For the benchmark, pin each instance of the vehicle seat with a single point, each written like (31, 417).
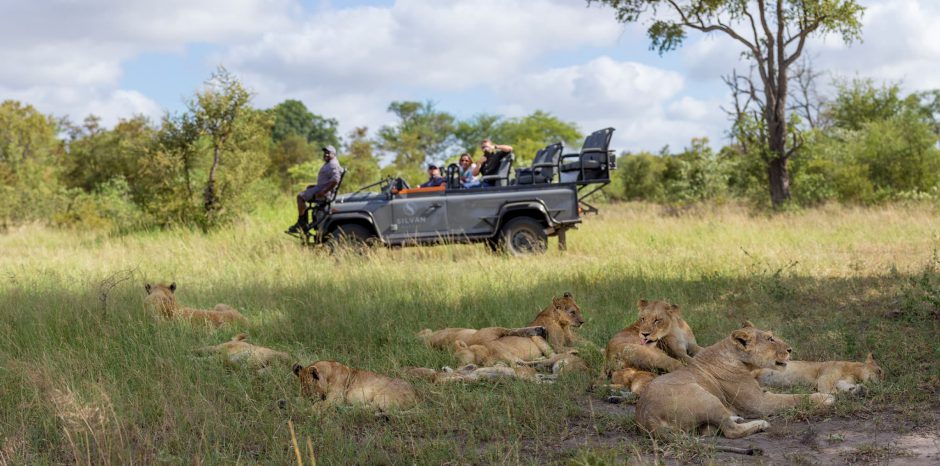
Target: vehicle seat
(592, 162)
(501, 177)
(543, 167)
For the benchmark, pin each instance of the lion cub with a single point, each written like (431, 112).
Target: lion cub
(161, 300)
(717, 387)
(239, 351)
(826, 376)
(336, 383)
(659, 340)
(473, 373)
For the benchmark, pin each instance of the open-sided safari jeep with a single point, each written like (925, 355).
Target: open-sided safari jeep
(517, 215)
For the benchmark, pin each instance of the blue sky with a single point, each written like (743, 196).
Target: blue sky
(350, 59)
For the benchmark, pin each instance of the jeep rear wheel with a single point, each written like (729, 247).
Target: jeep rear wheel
(355, 237)
(522, 236)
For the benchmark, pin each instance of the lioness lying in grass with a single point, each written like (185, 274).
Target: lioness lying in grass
(336, 383)
(474, 373)
(825, 376)
(161, 301)
(659, 341)
(239, 351)
(717, 387)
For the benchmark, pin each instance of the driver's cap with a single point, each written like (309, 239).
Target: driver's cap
(330, 149)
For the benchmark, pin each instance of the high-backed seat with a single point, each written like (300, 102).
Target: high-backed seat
(593, 162)
(501, 178)
(543, 166)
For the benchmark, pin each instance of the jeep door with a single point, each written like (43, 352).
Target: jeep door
(473, 212)
(418, 217)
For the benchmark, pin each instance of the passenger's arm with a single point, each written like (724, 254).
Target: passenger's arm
(478, 166)
(504, 148)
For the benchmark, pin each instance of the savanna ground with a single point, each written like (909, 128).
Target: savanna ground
(87, 377)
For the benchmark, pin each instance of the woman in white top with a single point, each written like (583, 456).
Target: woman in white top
(466, 169)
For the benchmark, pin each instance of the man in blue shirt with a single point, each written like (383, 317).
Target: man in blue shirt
(327, 180)
(434, 177)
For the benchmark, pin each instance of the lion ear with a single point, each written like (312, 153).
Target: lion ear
(460, 344)
(297, 369)
(869, 359)
(314, 373)
(674, 308)
(568, 294)
(147, 287)
(173, 287)
(741, 338)
(641, 304)
(747, 324)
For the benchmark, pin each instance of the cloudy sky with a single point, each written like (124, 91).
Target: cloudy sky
(349, 59)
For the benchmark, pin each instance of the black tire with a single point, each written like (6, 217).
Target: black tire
(353, 236)
(523, 236)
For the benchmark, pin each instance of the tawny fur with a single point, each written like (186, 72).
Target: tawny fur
(717, 387)
(336, 383)
(660, 340)
(161, 301)
(239, 351)
(473, 373)
(825, 376)
(556, 322)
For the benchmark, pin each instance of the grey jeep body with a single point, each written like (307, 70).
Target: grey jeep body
(453, 215)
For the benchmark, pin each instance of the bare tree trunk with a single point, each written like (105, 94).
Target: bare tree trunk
(209, 196)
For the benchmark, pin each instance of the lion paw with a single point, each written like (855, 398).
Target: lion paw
(823, 399)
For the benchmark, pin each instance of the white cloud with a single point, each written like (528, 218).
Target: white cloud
(642, 102)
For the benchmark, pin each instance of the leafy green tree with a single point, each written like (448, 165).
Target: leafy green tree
(290, 152)
(95, 156)
(773, 34)
(359, 160)
(223, 115)
(422, 133)
(860, 101)
(530, 133)
(30, 155)
(292, 117)
(470, 132)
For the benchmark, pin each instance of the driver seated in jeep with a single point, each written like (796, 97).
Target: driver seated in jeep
(434, 177)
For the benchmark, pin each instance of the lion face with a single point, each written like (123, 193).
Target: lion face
(313, 379)
(160, 298)
(760, 349)
(656, 320)
(474, 354)
(569, 314)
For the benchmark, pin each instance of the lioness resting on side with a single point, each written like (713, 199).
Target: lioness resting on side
(559, 321)
(239, 351)
(555, 323)
(473, 373)
(161, 301)
(826, 376)
(336, 383)
(717, 387)
(659, 340)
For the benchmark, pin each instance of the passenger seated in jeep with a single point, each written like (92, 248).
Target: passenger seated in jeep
(493, 154)
(434, 177)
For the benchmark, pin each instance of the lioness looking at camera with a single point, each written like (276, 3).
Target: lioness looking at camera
(161, 301)
(660, 340)
(717, 387)
(825, 376)
(336, 383)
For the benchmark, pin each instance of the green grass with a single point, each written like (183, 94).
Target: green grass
(835, 283)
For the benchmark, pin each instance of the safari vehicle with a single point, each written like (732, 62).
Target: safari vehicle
(517, 215)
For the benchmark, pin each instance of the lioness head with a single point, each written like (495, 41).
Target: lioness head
(160, 298)
(314, 378)
(760, 349)
(567, 311)
(656, 319)
(871, 371)
(472, 354)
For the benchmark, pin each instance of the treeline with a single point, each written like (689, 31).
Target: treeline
(221, 157)
(867, 144)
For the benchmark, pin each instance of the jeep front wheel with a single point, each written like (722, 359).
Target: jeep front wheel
(355, 237)
(522, 236)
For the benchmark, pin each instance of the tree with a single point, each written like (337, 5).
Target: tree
(291, 117)
(530, 133)
(222, 114)
(95, 156)
(469, 133)
(362, 167)
(773, 34)
(422, 133)
(30, 154)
